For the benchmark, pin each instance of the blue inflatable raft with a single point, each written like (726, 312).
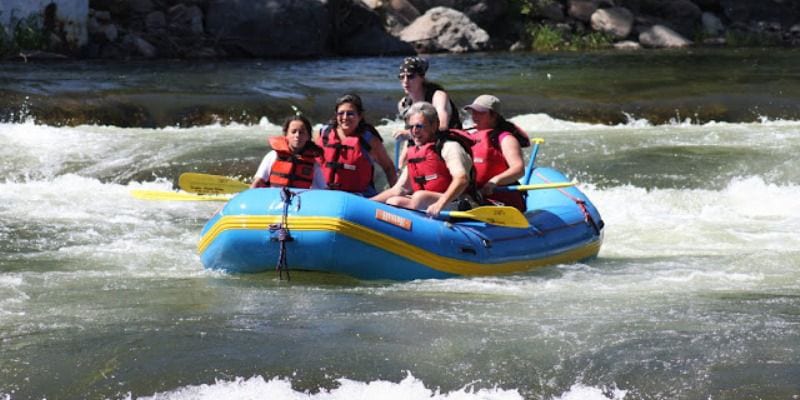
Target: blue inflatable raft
(339, 232)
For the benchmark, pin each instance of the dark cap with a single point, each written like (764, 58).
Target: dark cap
(414, 65)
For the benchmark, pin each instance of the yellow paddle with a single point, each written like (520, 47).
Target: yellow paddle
(147, 194)
(535, 186)
(495, 215)
(210, 184)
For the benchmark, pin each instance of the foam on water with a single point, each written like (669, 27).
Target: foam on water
(410, 388)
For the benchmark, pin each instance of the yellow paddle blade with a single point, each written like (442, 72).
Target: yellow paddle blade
(535, 186)
(210, 184)
(146, 194)
(495, 215)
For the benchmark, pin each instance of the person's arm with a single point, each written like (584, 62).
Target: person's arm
(459, 165)
(261, 178)
(441, 101)
(401, 187)
(378, 153)
(512, 152)
(318, 181)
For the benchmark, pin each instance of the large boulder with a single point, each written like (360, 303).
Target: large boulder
(443, 29)
(616, 21)
(659, 36)
(263, 28)
(358, 30)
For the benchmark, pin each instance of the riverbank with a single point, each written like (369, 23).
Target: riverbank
(218, 29)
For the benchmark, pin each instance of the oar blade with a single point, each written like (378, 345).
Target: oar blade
(495, 215)
(210, 184)
(163, 195)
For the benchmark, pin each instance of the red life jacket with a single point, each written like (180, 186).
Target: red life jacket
(488, 160)
(345, 163)
(291, 169)
(426, 168)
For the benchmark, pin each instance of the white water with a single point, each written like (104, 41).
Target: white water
(691, 279)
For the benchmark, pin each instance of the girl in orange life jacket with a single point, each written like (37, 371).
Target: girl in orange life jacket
(430, 181)
(497, 153)
(417, 88)
(350, 148)
(292, 161)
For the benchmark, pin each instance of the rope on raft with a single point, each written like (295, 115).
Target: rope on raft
(280, 232)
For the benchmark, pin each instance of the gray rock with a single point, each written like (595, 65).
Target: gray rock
(660, 36)
(443, 29)
(155, 22)
(627, 45)
(581, 10)
(263, 28)
(143, 47)
(616, 21)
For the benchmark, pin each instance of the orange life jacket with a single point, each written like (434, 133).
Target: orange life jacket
(291, 169)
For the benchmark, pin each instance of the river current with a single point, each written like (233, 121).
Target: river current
(695, 293)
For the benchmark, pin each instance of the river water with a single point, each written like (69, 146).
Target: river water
(695, 293)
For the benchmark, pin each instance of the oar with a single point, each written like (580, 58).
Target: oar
(147, 194)
(495, 215)
(534, 186)
(210, 184)
(531, 163)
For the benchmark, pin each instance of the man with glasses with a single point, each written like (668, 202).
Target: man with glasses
(439, 168)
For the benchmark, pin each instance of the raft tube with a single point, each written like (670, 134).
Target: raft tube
(334, 231)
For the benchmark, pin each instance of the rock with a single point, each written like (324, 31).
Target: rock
(518, 46)
(712, 25)
(581, 10)
(627, 45)
(660, 36)
(141, 6)
(155, 22)
(144, 48)
(443, 29)
(404, 11)
(187, 21)
(110, 32)
(264, 29)
(359, 31)
(616, 21)
(682, 16)
(549, 9)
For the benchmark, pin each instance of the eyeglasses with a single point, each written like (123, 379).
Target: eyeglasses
(346, 113)
(408, 76)
(415, 126)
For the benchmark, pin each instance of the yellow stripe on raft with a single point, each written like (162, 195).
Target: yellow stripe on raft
(393, 245)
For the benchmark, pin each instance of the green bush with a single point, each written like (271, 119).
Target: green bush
(28, 35)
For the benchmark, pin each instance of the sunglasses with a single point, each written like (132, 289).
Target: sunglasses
(415, 126)
(346, 113)
(408, 76)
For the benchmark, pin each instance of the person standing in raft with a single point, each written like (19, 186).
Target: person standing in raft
(293, 159)
(416, 88)
(350, 149)
(497, 152)
(438, 171)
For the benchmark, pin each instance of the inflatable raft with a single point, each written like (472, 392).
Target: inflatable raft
(325, 230)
